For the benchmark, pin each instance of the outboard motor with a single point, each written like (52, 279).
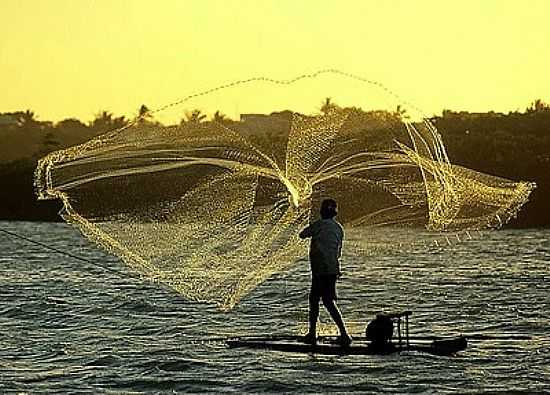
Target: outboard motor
(380, 332)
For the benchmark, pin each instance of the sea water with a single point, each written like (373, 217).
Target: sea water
(72, 326)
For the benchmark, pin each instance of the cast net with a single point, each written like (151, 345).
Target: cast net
(212, 208)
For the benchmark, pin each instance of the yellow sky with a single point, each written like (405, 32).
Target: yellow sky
(64, 58)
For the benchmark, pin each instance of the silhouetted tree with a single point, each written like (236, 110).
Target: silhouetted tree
(219, 117)
(537, 106)
(70, 124)
(327, 105)
(400, 111)
(104, 122)
(26, 118)
(514, 145)
(49, 144)
(144, 114)
(196, 116)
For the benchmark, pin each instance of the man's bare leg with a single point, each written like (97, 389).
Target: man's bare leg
(311, 336)
(334, 312)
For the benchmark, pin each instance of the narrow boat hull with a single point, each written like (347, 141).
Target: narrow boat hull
(442, 347)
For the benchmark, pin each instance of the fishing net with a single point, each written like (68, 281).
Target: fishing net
(212, 208)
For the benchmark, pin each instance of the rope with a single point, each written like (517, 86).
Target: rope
(38, 243)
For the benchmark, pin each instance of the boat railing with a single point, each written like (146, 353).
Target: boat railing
(398, 318)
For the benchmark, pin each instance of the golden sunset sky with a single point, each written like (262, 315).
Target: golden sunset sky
(72, 58)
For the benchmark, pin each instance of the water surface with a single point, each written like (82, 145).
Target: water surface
(71, 326)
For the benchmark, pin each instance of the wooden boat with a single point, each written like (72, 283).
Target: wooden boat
(328, 345)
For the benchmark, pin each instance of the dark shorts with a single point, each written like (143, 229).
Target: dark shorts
(323, 286)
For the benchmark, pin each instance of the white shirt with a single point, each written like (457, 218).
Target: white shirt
(326, 245)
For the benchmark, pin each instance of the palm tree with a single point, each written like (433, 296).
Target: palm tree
(327, 105)
(400, 112)
(25, 118)
(104, 122)
(144, 114)
(538, 106)
(195, 117)
(219, 117)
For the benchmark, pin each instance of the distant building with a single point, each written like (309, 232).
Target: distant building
(253, 117)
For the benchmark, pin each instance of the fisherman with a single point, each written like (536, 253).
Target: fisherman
(324, 253)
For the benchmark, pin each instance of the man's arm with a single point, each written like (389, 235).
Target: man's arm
(340, 242)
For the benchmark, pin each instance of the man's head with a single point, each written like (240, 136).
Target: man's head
(328, 209)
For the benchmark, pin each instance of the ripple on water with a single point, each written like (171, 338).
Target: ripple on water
(66, 326)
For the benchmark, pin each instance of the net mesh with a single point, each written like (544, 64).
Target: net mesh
(213, 208)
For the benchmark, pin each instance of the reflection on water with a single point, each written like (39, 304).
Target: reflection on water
(70, 326)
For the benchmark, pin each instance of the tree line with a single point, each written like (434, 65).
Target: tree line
(515, 145)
